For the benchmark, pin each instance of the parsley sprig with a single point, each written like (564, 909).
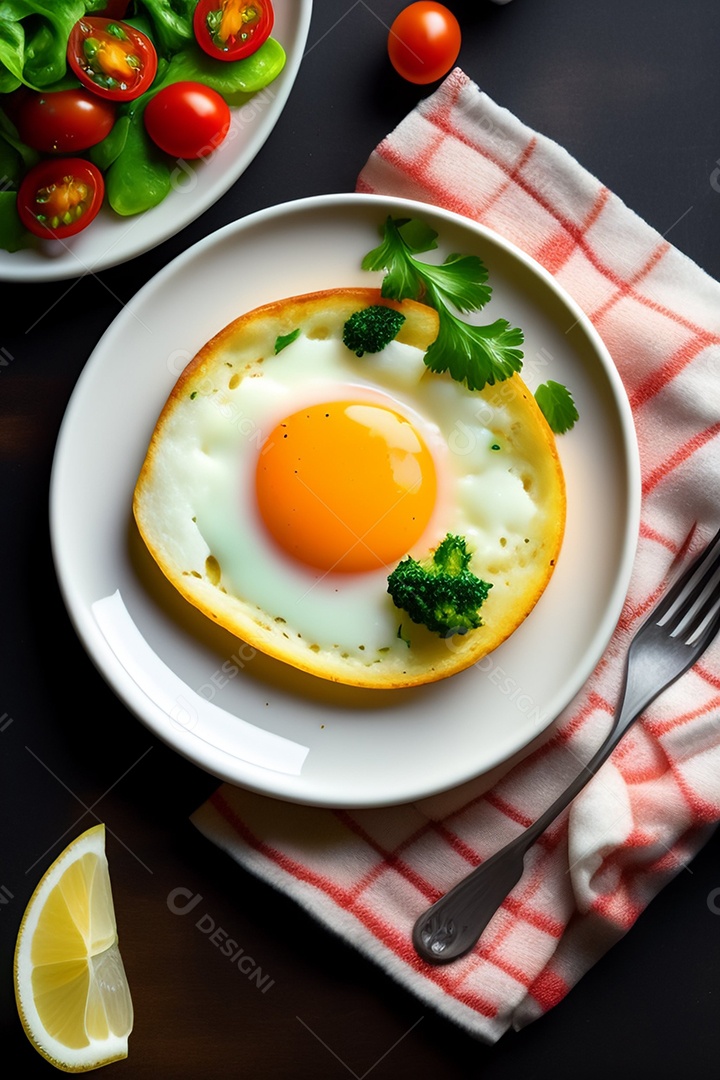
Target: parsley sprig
(557, 406)
(476, 355)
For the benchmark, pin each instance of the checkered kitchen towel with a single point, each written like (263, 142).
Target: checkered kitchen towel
(369, 874)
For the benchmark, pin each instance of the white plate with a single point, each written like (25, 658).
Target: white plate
(253, 721)
(112, 239)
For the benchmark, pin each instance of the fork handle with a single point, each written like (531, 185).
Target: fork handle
(638, 690)
(453, 924)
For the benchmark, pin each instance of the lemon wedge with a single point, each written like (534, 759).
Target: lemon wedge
(71, 989)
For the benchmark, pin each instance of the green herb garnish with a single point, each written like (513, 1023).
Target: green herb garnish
(475, 355)
(283, 340)
(557, 406)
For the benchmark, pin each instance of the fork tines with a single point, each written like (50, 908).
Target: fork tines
(693, 601)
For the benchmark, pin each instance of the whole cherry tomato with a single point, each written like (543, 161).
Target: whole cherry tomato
(232, 29)
(187, 119)
(63, 121)
(111, 58)
(424, 42)
(60, 196)
(115, 9)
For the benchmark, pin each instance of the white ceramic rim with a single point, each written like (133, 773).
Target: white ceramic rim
(112, 240)
(288, 782)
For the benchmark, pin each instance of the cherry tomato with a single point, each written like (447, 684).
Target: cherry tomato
(111, 58)
(232, 29)
(64, 121)
(187, 119)
(13, 102)
(424, 42)
(115, 9)
(60, 196)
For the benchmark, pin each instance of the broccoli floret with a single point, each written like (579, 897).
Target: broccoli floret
(372, 328)
(440, 592)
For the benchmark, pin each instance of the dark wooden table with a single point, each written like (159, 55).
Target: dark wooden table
(631, 90)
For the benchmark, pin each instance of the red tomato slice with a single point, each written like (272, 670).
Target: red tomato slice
(232, 29)
(63, 121)
(111, 58)
(424, 42)
(60, 196)
(187, 119)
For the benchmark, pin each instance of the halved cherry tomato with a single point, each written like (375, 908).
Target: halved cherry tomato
(232, 29)
(424, 42)
(63, 121)
(187, 119)
(111, 58)
(60, 196)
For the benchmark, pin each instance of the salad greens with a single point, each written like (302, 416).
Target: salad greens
(34, 35)
(172, 23)
(138, 175)
(33, 47)
(474, 354)
(33, 40)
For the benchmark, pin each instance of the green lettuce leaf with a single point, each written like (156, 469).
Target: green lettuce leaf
(12, 233)
(33, 40)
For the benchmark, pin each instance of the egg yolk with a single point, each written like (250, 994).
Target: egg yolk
(346, 486)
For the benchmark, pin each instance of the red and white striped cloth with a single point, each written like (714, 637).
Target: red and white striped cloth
(368, 874)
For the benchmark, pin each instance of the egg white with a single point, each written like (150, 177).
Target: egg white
(210, 466)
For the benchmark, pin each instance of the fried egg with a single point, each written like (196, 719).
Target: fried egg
(287, 477)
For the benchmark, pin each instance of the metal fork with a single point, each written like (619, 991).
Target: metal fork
(678, 630)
